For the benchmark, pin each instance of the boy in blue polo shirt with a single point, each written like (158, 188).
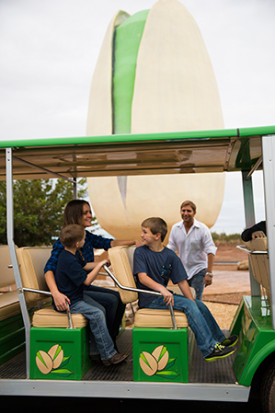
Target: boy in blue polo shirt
(71, 277)
(154, 266)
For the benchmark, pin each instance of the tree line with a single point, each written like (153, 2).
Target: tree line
(223, 237)
(38, 209)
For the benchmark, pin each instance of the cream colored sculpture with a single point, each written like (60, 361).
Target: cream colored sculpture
(173, 89)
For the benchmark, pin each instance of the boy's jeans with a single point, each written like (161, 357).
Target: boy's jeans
(98, 328)
(110, 303)
(201, 321)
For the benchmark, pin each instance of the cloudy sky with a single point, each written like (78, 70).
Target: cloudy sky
(49, 50)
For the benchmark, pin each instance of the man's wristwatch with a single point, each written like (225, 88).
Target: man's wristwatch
(209, 274)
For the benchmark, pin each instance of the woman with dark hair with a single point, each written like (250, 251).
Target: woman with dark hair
(79, 212)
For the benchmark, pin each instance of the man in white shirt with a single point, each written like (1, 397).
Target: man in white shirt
(193, 241)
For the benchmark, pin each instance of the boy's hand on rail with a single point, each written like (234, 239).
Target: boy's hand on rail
(61, 301)
(167, 296)
(105, 262)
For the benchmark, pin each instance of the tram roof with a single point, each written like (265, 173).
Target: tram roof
(222, 150)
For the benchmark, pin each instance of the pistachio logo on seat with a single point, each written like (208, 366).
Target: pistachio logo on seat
(158, 363)
(53, 361)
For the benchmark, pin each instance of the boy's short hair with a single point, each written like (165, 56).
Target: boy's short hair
(189, 203)
(71, 234)
(156, 225)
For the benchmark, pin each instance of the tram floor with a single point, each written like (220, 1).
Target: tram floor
(200, 371)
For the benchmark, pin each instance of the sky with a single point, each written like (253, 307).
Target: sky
(49, 51)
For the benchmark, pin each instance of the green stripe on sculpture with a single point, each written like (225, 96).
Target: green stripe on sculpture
(127, 40)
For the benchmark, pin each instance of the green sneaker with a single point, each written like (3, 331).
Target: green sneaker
(230, 341)
(219, 352)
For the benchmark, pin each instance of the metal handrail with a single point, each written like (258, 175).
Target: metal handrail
(240, 247)
(138, 290)
(32, 290)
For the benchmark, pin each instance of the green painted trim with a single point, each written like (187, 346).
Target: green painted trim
(253, 325)
(69, 361)
(259, 130)
(144, 137)
(255, 362)
(12, 337)
(174, 365)
(123, 138)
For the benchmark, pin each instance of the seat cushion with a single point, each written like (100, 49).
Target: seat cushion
(148, 317)
(9, 305)
(7, 277)
(259, 262)
(257, 244)
(260, 270)
(48, 317)
(9, 301)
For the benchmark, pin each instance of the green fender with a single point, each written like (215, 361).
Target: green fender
(255, 362)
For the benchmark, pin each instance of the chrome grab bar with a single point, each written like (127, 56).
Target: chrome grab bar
(32, 290)
(240, 247)
(141, 291)
(156, 293)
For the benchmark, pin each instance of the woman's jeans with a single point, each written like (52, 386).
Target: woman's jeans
(110, 303)
(202, 323)
(196, 282)
(98, 328)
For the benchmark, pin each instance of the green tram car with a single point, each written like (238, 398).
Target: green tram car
(44, 353)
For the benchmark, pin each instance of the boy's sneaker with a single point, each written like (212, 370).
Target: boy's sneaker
(219, 352)
(230, 341)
